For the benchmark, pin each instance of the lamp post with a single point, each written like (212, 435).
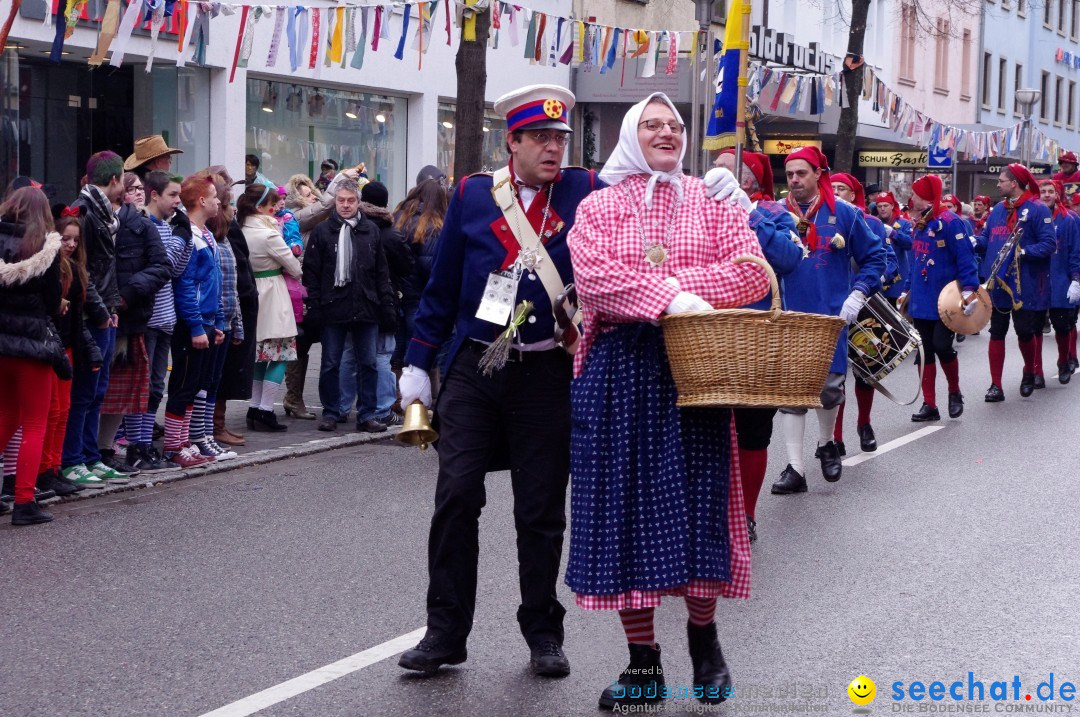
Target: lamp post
(1027, 98)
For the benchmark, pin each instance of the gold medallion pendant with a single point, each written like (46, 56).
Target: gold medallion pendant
(655, 255)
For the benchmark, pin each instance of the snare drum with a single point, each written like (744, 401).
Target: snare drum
(880, 340)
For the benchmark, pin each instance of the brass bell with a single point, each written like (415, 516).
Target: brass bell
(416, 429)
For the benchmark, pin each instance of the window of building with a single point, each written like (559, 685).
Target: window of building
(1021, 8)
(494, 152)
(1063, 13)
(1006, 5)
(719, 12)
(965, 68)
(1075, 31)
(907, 43)
(941, 71)
(1003, 66)
(1059, 97)
(1044, 101)
(1017, 84)
(1070, 108)
(987, 69)
(292, 128)
(1048, 13)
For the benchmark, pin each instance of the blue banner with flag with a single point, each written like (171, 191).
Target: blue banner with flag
(729, 104)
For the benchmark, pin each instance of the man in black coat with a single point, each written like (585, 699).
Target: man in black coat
(349, 294)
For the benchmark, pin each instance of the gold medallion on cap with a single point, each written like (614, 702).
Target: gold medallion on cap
(553, 109)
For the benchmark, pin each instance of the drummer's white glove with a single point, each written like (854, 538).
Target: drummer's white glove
(415, 385)
(889, 230)
(684, 301)
(740, 197)
(1074, 292)
(849, 312)
(969, 308)
(720, 183)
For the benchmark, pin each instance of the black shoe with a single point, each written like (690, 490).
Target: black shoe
(267, 421)
(956, 404)
(926, 413)
(52, 480)
(830, 462)
(710, 671)
(159, 431)
(1040, 381)
(1027, 385)
(391, 419)
(751, 529)
(1065, 372)
(7, 492)
(252, 414)
(790, 482)
(327, 423)
(867, 439)
(5, 505)
(343, 418)
(371, 426)
(432, 653)
(547, 659)
(994, 394)
(960, 338)
(40, 495)
(109, 458)
(1075, 364)
(642, 682)
(29, 514)
(840, 447)
(152, 461)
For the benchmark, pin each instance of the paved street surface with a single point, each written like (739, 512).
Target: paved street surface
(954, 552)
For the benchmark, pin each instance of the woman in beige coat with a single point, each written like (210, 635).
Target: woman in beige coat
(276, 327)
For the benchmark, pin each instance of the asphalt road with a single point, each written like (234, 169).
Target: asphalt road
(951, 554)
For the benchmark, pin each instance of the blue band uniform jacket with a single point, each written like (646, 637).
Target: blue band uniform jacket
(1038, 242)
(941, 253)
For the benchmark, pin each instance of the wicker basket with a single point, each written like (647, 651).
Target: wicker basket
(745, 357)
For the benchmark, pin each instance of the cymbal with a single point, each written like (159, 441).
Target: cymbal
(951, 309)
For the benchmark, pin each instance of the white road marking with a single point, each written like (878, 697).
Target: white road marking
(903, 440)
(298, 685)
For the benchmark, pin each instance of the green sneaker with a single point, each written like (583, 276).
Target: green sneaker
(107, 474)
(80, 476)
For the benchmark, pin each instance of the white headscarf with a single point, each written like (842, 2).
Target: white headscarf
(628, 159)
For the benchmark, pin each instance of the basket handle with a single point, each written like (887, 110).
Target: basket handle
(774, 286)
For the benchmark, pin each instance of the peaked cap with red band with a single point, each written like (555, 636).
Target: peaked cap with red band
(1027, 182)
(760, 167)
(536, 107)
(816, 159)
(855, 185)
(1067, 157)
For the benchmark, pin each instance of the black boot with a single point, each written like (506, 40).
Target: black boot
(711, 674)
(956, 404)
(867, 439)
(252, 414)
(1065, 372)
(29, 514)
(831, 467)
(7, 493)
(1040, 381)
(432, 653)
(642, 682)
(791, 481)
(267, 421)
(994, 394)
(1027, 385)
(926, 413)
(52, 480)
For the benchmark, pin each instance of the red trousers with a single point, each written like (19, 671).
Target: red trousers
(25, 404)
(58, 414)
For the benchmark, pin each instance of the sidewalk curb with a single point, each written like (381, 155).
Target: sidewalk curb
(246, 460)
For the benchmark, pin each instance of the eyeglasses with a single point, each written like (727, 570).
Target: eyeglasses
(655, 125)
(543, 138)
(136, 188)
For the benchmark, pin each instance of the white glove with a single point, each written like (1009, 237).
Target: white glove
(974, 241)
(720, 183)
(889, 230)
(674, 281)
(969, 309)
(1074, 292)
(414, 384)
(740, 197)
(849, 312)
(684, 301)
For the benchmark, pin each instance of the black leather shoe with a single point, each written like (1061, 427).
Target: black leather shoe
(956, 404)
(751, 529)
(926, 413)
(840, 448)
(432, 653)
(52, 480)
(327, 423)
(1075, 364)
(40, 494)
(1065, 372)
(790, 482)
(830, 462)
(642, 682)
(267, 421)
(29, 514)
(867, 439)
(252, 414)
(960, 338)
(994, 394)
(1027, 385)
(547, 659)
(1040, 381)
(711, 673)
(371, 426)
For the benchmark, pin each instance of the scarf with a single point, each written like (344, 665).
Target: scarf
(101, 208)
(805, 222)
(1011, 207)
(627, 159)
(343, 268)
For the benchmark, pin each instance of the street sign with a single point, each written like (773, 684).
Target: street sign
(938, 157)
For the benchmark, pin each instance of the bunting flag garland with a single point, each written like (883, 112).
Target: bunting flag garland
(275, 40)
(399, 53)
(239, 42)
(316, 28)
(108, 32)
(123, 35)
(361, 44)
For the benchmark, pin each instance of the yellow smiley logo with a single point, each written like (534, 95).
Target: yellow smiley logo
(553, 109)
(862, 690)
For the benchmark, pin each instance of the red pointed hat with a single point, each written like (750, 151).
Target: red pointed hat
(1027, 181)
(759, 165)
(952, 199)
(1076, 199)
(816, 159)
(886, 197)
(855, 185)
(983, 198)
(1067, 157)
(928, 187)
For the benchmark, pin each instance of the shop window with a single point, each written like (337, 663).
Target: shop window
(178, 109)
(292, 128)
(494, 152)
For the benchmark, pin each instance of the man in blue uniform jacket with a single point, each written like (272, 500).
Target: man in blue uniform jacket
(525, 405)
(1064, 275)
(835, 235)
(1021, 288)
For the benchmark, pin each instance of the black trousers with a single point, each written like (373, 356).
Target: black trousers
(190, 369)
(1028, 323)
(937, 340)
(525, 406)
(753, 427)
(1063, 320)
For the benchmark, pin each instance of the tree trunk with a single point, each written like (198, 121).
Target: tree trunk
(844, 158)
(471, 64)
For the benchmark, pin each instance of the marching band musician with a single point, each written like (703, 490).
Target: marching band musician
(1068, 175)
(851, 190)
(835, 234)
(1064, 276)
(1025, 295)
(941, 253)
(899, 231)
(981, 204)
(484, 252)
(775, 228)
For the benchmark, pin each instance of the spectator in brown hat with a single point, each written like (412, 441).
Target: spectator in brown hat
(152, 153)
